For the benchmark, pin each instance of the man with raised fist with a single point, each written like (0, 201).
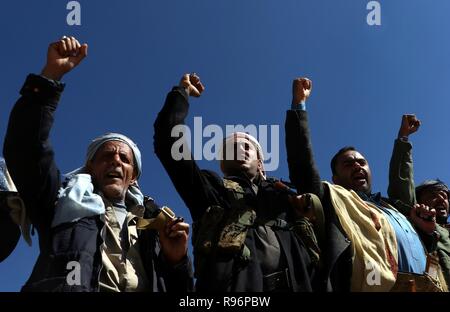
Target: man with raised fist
(431, 195)
(97, 231)
(369, 241)
(251, 233)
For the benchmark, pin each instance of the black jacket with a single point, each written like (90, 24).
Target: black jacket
(30, 160)
(336, 252)
(201, 189)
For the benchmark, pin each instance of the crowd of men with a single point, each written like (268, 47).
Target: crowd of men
(250, 232)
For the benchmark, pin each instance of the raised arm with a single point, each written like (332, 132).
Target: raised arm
(302, 168)
(401, 174)
(27, 149)
(401, 184)
(170, 143)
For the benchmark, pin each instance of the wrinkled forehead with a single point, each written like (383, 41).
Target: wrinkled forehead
(115, 146)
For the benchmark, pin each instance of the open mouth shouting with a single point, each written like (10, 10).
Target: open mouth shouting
(359, 177)
(114, 174)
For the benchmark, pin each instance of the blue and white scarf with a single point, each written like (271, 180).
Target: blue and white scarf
(77, 198)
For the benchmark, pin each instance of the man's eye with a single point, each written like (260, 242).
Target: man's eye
(125, 159)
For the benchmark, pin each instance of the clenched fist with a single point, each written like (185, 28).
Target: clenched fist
(174, 240)
(63, 56)
(423, 217)
(410, 124)
(301, 89)
(192, 84)
(303, 206)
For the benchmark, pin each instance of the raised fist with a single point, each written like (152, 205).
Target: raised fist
(410, 124)
(192, 84)
(423, 217)
(174, 240)
(63, 56)
(301, 89)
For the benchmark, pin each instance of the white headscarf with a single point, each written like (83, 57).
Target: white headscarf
(76, 197)
(234, 136)
(99, 141)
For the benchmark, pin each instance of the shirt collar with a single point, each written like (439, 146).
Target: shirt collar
(373, 197)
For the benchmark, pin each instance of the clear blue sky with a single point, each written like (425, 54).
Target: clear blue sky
(247, 52)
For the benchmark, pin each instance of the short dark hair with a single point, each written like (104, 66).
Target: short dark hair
(339, 153)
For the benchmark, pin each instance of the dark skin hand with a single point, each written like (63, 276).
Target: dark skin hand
(192, 84)
(409, 125)
(63, 56)
(174, 240)
(423, 217)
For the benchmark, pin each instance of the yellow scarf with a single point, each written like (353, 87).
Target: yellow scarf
(373, 241)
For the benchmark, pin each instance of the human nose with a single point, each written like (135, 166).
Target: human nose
(241, 151)
(357, 165)
(115, 159)
(441, 197)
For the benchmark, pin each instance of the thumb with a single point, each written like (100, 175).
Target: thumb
(84, 50)
(433, 212)
(82, 53)
(194, 91)
(307, 84)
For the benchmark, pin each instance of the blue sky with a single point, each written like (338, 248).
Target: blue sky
(247, 52)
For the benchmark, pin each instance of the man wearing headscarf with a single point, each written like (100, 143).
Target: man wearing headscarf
(97, 232)
(433, 195)
(245, 224)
